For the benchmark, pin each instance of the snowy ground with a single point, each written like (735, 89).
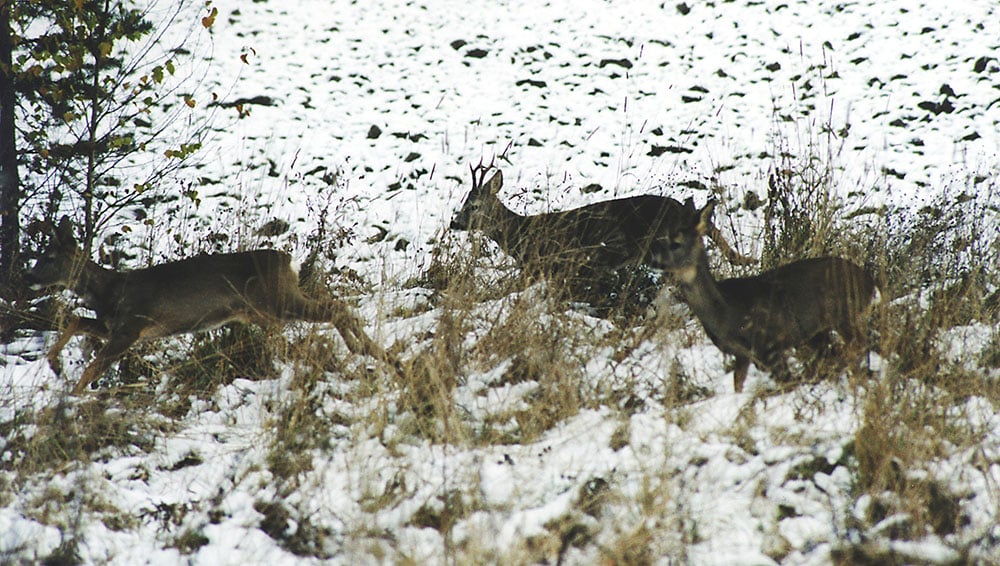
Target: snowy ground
(397, 98)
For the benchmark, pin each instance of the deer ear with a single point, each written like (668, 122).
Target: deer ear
(36, 227)
(64, 232)
(705, 218)
(495, 183)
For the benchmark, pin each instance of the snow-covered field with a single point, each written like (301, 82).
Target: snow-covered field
(396, 99)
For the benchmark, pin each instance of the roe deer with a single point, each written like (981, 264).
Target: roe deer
(592, 246)
(189, 295)
(756, 319)
(599, 237)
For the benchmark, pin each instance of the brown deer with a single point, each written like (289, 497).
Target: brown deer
(189, 295)
(757, 319)
(583, 243)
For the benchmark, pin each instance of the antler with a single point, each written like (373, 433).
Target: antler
(482, 170)
(477, 180)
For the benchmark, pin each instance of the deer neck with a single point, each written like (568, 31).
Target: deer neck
(98, 287)
(705, 298)
(507, 230)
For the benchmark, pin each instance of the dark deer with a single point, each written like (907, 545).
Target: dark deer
(585, 243)
(190, 295)
(757, 319)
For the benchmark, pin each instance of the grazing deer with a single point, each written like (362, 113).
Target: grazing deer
(586, 242)
(190, 295)
(756, 319)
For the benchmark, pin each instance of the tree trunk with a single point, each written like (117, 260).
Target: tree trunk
(10, 184)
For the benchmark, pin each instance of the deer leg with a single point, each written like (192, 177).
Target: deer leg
(856, 339)
(349, 326)
(831, 357)
(111, 352)
(53, 356)
(740, 368)
(75, 326)
(857, 347)
(352, 330)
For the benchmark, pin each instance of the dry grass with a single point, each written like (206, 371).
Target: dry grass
(494, 330)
